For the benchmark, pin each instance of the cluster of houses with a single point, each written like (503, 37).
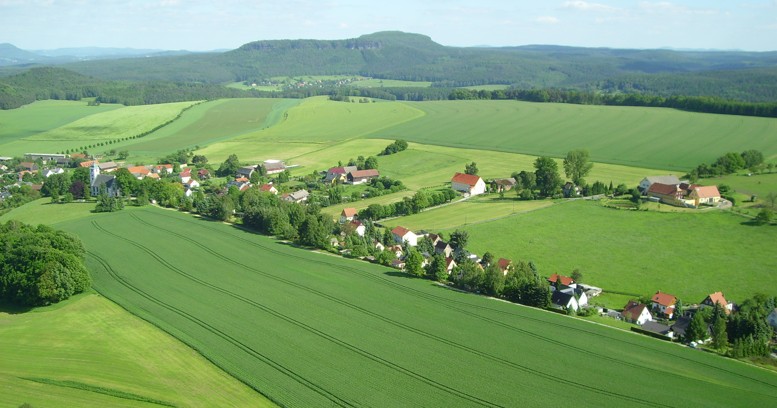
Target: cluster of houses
(673, 191)
(663, 307)
(350, 175)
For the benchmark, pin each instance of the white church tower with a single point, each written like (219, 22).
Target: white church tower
(94, 171)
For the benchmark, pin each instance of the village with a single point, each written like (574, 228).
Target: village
(419, 253)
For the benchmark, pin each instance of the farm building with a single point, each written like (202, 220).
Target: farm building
(635, 312)
(268, 188)
(565, 280)
(504, 184)
(246, 171)
(274, 166)
(468, 183)
(362, 176)
(646, 182)
(684, 195)
(296, 197)
(339, 174)
(705, 195)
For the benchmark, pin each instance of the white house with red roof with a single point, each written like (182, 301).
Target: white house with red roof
(468, 183)
(268, 188)
(718, 298)
(348, 214)
(185, 175)
(362, 176)
(358, 227)
(635, 312)
(505, 265)
(402, 234)
(664, 303)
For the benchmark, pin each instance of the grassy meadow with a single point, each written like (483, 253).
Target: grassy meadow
(89, 352)
(301, 326)
(639, 252)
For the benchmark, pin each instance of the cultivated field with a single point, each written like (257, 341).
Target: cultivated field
(89, 352)
(632, 136)
(311, 329)
(98, 128)
(638, 252)
(42, 116)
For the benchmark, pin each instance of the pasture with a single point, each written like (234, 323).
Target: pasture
(639, 252)
(89, 352)
(631, 136)
(310, 329)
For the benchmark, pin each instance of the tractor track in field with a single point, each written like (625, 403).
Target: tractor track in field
(235, 342)
(465, 309)
(406, 327)
(364, 353)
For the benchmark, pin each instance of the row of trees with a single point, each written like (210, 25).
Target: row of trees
(704, 104)
(409, 205)
(40, 265)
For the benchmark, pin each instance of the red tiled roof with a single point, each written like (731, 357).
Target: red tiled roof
(241, 180)
(365, 173)
(266, 187)
(348, 212)
(565, 280)
(186, 173)
(400, 231)
(707, 192)
(664, 299)
(356, 223)
(203, 172)
(139, 169)
(88, 163)
(336, 170)
(464, 178)
(665, 189)
(718, 297)
(633, 310)
(505, 263)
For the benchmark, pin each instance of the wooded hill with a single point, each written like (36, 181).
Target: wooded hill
(749, 76)
(742, 76)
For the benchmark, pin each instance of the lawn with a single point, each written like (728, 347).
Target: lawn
(632, 136)
(42, 116)
(311, 329)
(89, 352)
(41, 211)
(639, 252)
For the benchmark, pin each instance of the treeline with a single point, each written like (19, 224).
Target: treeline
(409, 205)
(40, 265)
(703, 104)
(61, 84)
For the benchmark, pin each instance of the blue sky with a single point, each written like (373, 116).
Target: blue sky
(207, 25)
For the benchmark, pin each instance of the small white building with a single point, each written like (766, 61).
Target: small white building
(402, 234)
(468, 183)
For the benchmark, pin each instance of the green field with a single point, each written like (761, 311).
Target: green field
(633, 136)
(89, 352)
(460, 214)
(102, 127)
(42, 116)
(311, 329)
(638, 252)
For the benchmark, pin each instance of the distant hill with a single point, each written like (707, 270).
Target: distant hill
(11, 55)
(744, 76)
(398, 55)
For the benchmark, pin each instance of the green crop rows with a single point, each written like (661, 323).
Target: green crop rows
(308, 329)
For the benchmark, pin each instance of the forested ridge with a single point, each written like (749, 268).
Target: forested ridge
(721, 82)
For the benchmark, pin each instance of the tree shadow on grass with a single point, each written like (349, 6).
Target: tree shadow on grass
(10, 308)
(754, 223)
(400, 274)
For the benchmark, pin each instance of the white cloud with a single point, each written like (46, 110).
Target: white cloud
(547, 20)
(587, 6)
(671, 8)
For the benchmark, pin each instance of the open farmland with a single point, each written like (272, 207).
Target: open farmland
(638, 252)
(632, 136)
(98, 128)
(42, 116)
(89, 352)
(301, 327)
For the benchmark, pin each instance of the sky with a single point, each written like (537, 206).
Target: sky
(199, 25)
